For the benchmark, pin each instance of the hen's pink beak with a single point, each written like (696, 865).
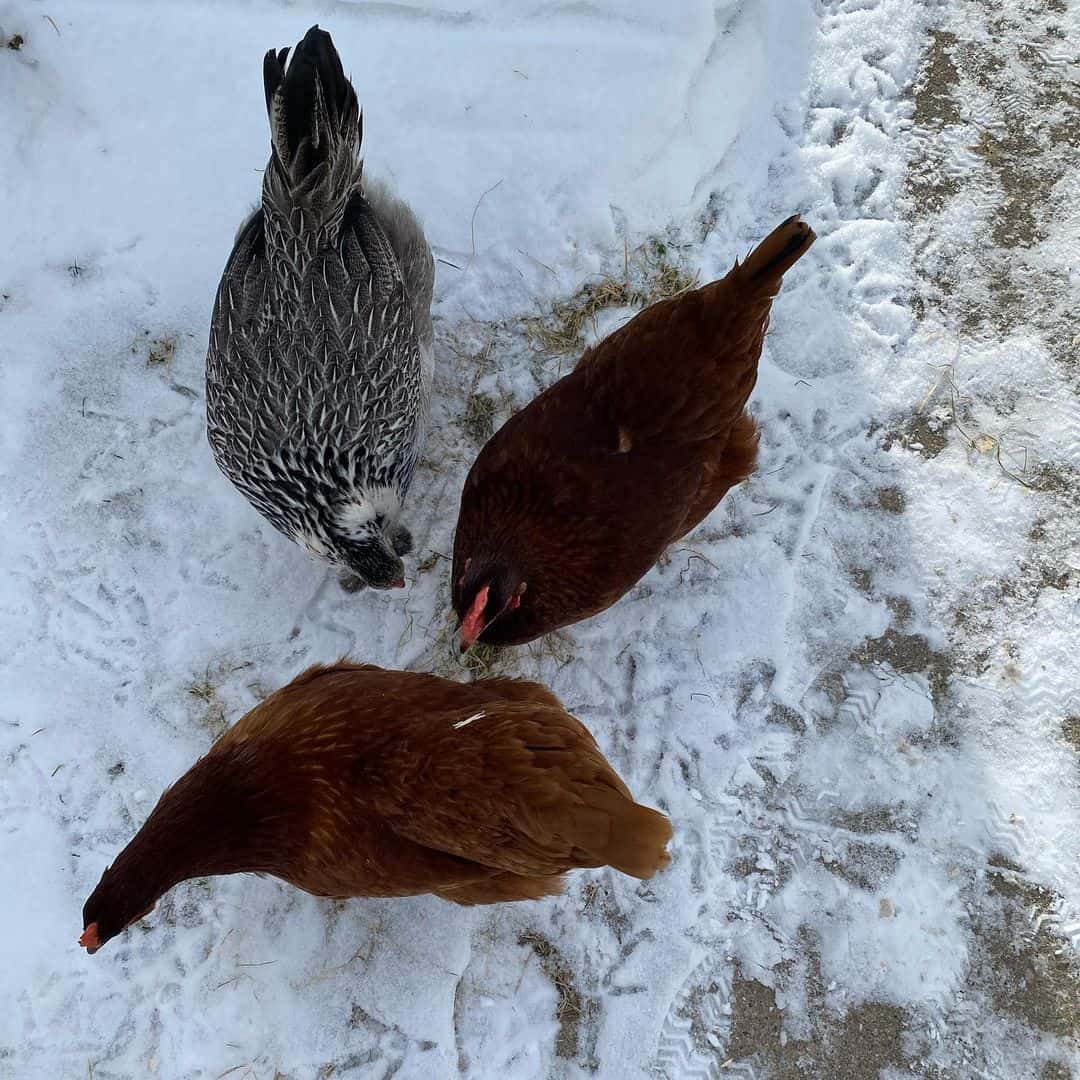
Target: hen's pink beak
(472, 626)
(90, 940)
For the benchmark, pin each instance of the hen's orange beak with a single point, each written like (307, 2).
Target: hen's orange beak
(90, 940)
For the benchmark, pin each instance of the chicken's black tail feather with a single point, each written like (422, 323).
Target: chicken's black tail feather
(314, 117)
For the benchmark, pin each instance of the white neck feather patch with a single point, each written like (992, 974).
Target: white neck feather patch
(364, 507)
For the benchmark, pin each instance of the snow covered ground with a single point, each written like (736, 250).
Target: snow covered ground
(856, 689)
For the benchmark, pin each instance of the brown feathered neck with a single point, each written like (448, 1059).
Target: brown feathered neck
(233, 812)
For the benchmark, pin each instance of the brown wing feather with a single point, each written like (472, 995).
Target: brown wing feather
(726, 467)
(502, 887)
(522, 788)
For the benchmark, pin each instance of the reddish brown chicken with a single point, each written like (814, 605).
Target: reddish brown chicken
(576, 496)
(355, 781)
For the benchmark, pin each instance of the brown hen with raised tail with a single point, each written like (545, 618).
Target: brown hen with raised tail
(572, 501)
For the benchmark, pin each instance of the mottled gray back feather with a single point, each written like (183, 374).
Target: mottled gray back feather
(407, 238)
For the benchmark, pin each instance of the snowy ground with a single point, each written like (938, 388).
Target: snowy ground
(855, 689)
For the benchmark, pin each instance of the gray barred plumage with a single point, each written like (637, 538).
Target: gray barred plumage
(320, 357)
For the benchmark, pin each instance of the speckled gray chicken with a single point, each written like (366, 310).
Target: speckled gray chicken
(320, 358)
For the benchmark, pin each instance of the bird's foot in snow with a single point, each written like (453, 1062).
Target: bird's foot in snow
(351, 583)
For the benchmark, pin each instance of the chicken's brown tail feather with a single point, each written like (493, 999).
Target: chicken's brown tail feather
(777, 253)
(610, 829)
